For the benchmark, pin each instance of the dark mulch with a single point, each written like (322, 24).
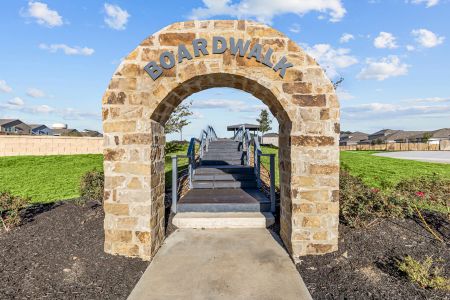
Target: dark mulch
(364, 267)
(58, 254)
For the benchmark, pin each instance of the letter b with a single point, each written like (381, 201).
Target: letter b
(153, 70)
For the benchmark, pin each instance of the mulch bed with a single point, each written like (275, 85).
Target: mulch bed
(58, 254)
(365, 268)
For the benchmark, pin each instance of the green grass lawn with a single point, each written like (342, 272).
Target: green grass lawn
(52, 178)
(46, 178)
(384, 172)
(182, 163)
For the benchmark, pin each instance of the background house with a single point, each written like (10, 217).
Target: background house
(270, 138)
(91, 133)
(14, 126)
(353, 138)
(40, 129)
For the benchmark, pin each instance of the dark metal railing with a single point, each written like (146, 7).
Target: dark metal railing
(257, 167)
(207, 135)
(243, 135)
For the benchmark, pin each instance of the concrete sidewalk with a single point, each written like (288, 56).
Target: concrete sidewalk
(426, 156)
(221, 264)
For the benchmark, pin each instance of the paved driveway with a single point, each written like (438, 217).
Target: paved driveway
(427, 156)
(221, 264)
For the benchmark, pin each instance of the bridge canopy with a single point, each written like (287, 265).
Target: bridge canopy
(251, 127)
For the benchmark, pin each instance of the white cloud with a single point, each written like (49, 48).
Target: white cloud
(265, 10)
(73, 114)
(428, 100)
(197, 115)
(44, 109)
(385, 40)
(16, 102)
(43, 15)
(35, 93)
(231, 105)
(331, 59)
(375, 110)
(4, 87)
(116, 17)
(384, 68)
(427, 38)
(344, 95)
(410, 48)
(295, 28)
(53, 48)
(428, 3)
(346, 37)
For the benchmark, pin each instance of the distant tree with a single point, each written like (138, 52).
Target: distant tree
(426, 137)
(179, 119)
(337, 83)
(264, 122)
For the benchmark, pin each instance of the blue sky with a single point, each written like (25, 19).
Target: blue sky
(57, 57)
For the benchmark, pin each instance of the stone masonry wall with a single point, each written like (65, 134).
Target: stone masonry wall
(135, 108)
(11, 145)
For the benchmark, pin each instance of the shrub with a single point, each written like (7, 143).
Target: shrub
(10, 207)
(360, 204)
(175, 146)
(91, 186)
(428, 192)
(423, 274)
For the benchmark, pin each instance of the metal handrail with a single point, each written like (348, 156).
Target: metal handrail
(257, 168)
(206, 136)
(243, 136)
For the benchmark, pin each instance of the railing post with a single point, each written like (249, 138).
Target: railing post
(272, 183)
(174, 183)
(258, 169)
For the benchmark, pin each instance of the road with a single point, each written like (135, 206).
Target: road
(426, 156)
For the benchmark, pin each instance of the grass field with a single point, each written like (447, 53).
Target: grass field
(52, 178)
(384, 172)
(46, 178)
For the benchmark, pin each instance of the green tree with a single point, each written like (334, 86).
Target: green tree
(264, 122)
(179, 119)
(426, 137)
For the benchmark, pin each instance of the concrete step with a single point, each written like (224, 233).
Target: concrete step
(220, 162)
(223, 200)
(218, 156)
(224, 169)
(223, 220)
(224, 176)
(223, 184)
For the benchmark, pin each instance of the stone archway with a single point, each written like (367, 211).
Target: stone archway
(188, 57)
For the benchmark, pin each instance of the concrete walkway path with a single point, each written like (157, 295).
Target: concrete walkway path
(221, 264)
(426, 156)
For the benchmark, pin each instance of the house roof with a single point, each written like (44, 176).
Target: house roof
(6, 121)
(63, 130)
(441, 133)
(354, 137)
(247, 126)
(402, 135)
(384, 132)
(91, 133)
(34, 126)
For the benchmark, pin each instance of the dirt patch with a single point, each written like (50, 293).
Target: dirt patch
(364, 267)
(58, 254)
